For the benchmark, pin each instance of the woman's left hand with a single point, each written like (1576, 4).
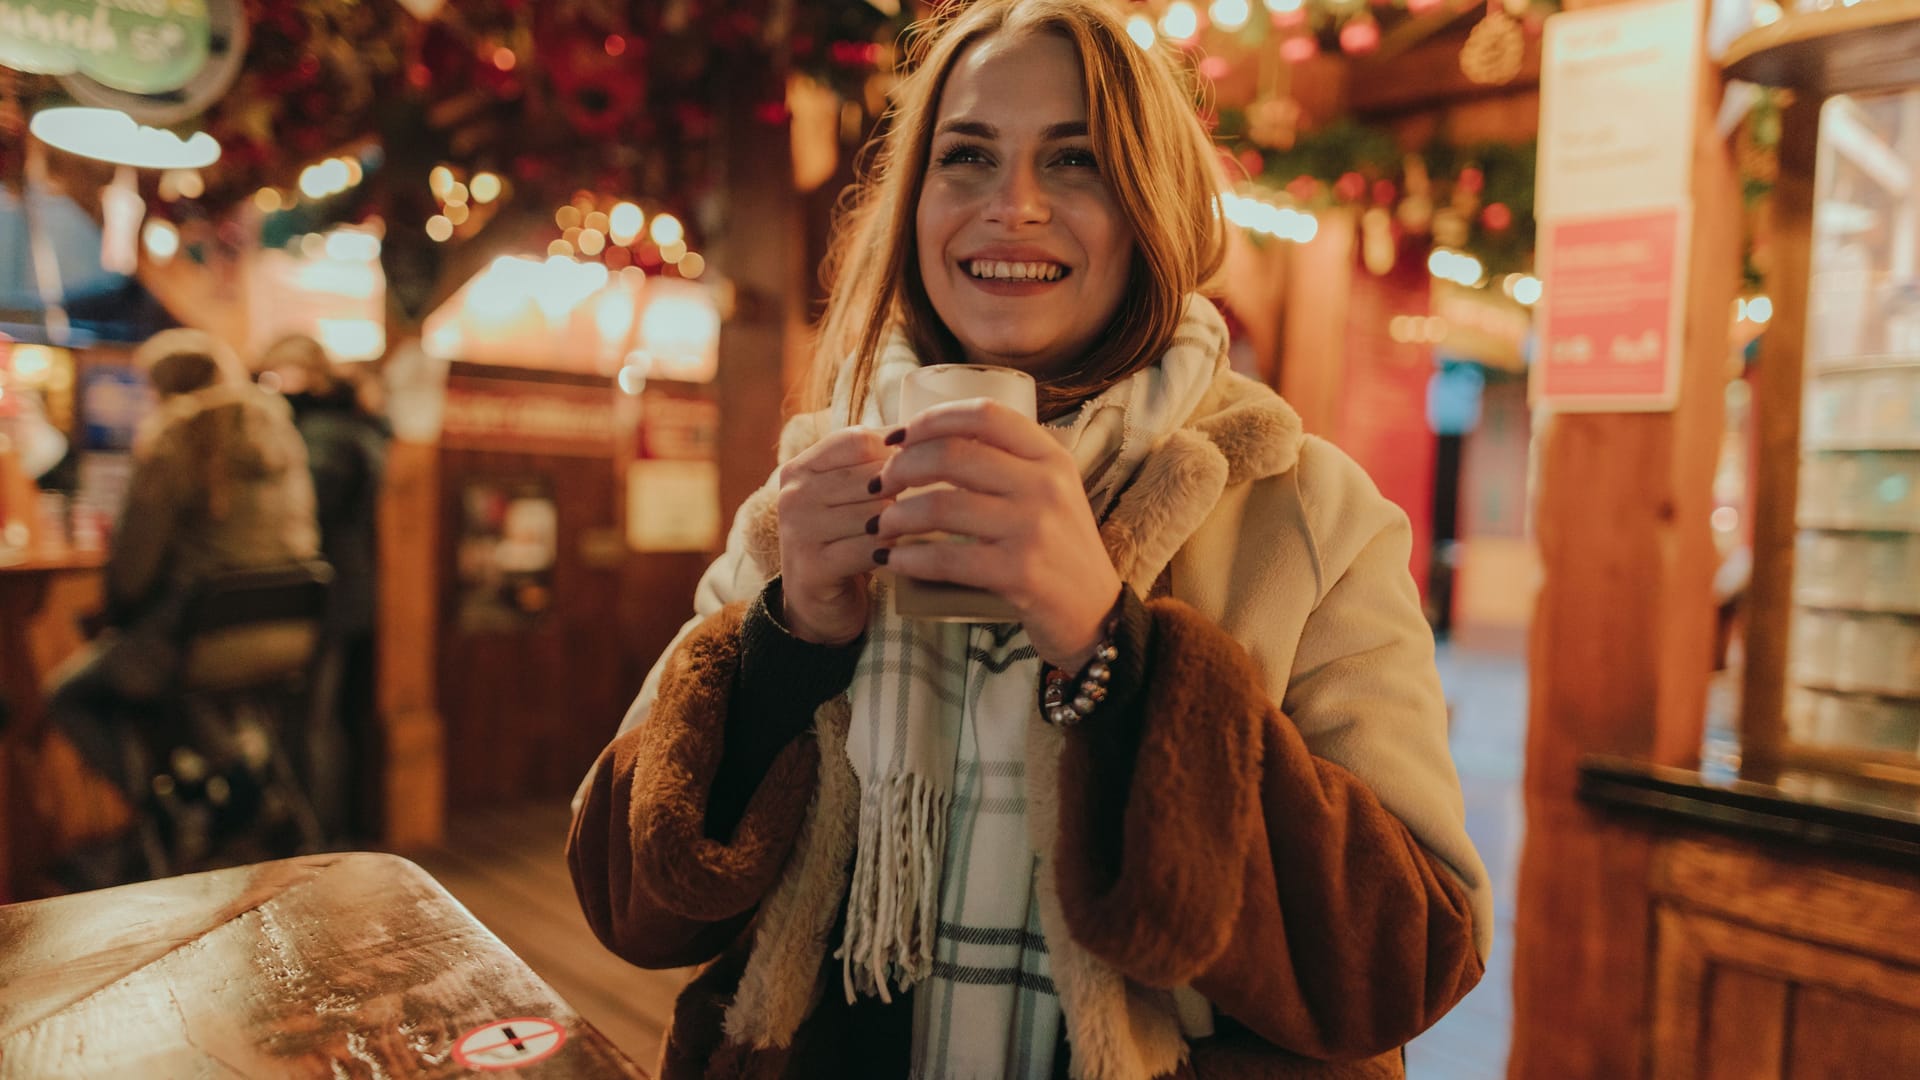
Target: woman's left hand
(1017, 492)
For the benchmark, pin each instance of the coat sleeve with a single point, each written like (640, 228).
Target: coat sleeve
(690, 817)
(144, 536)
(1343, 935)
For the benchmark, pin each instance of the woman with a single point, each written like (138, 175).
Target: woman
(347, 455)
(1234, 845)
(219, 483)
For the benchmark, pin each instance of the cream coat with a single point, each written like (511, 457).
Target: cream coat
(1285, 543)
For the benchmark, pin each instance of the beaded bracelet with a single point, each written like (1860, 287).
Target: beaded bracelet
(1061, 711)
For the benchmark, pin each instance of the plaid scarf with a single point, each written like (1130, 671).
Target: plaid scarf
(943, 889)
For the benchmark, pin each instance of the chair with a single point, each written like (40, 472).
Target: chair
(212, 752)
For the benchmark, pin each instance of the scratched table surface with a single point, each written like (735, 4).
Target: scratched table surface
(334, 966)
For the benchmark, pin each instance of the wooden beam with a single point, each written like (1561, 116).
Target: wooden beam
(1619, 659)
(1427, 77)
(1776, 416)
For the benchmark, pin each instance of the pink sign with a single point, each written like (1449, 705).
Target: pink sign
(1610, 316)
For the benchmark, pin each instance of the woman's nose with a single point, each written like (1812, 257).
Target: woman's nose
(1019, 198)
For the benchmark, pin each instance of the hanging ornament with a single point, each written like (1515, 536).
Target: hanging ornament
(1416, 210)
(121, 209)
(1360, 35)
(1274, 122)
(1494, 50)
(1378, 248)
(1497, 217)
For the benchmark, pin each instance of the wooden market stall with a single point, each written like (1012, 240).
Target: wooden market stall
(1755, 914)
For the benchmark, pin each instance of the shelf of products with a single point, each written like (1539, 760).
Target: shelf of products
(1853, 640)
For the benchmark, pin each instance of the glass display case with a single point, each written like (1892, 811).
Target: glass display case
(1853, 655)
(1833, 638)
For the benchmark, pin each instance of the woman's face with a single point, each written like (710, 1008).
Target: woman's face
(1023, 249)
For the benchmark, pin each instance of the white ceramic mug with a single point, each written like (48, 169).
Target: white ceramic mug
(920, 390)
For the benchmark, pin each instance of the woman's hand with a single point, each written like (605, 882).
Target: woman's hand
(1017, 492)
(826, 547)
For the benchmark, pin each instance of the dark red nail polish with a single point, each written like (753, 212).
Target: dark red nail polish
(873, 486)
(881, 555)
(873, 525)
(896, 436)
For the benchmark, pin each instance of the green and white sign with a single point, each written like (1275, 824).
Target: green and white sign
(140, 46)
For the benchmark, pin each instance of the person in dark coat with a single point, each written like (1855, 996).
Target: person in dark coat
(347, 451)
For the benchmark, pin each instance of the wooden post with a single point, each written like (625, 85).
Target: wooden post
(413, 759)
(1319, 283)
(1776, 415)
(758, 250)
(1619, 660)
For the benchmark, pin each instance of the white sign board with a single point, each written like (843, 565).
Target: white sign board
(1617, 92)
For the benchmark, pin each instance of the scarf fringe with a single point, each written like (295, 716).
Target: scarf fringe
(893, 905)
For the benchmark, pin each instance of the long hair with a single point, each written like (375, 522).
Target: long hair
(1152, 150)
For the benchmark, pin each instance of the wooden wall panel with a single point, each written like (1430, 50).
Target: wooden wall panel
(1839, 1036)
(1746, 1025)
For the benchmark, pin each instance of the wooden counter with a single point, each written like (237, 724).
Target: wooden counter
(1785, 922)
(46, 800)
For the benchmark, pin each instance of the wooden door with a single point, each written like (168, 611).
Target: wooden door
(530, 695)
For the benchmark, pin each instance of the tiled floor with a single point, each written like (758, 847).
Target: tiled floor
(1488, 697)
(505, 864)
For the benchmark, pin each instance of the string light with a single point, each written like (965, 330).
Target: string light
(439, 228)
(457, 213)
(1140, 29)
(440, 181)
(1283, 222)
(624, 223)
(567, 217)
(1181, 22)
(161, 240)
(674, 252)
(592, 242)
(1284, 7)
(596, 221)
(1229, 15)
(666, 230)
(1455, 266)
(267, 200)
(692, 265)
(485, 187)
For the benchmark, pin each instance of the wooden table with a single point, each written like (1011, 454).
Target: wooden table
(349, 965)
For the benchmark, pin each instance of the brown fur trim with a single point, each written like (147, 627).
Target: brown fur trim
(1118, 1031)
(1168, 499)
(782, 980)
(1192, 813)
(673, 769)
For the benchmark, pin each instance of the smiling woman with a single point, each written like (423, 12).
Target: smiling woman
(1088, 841)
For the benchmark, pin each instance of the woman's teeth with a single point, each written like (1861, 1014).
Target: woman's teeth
(995, 270)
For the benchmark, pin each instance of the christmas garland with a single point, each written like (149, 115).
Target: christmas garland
(1477, 198)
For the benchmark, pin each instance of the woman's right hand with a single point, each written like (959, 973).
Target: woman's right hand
(826, 506)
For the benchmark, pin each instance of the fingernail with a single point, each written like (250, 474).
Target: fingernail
(873, 525)
(873, 486)
(881, 555)
(896, 436)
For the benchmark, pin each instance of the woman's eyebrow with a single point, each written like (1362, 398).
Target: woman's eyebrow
(1067, 129)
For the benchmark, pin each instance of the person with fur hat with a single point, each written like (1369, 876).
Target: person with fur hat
(1192, 812)
(219, 483)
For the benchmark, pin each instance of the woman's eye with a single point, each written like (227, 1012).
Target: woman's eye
(962, 155)
(1078, 159)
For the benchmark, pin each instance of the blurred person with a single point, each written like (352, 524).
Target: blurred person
(1193, 814)
(346, 439)
(219, 484)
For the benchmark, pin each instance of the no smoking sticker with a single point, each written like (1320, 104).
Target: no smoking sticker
(509, 1044)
